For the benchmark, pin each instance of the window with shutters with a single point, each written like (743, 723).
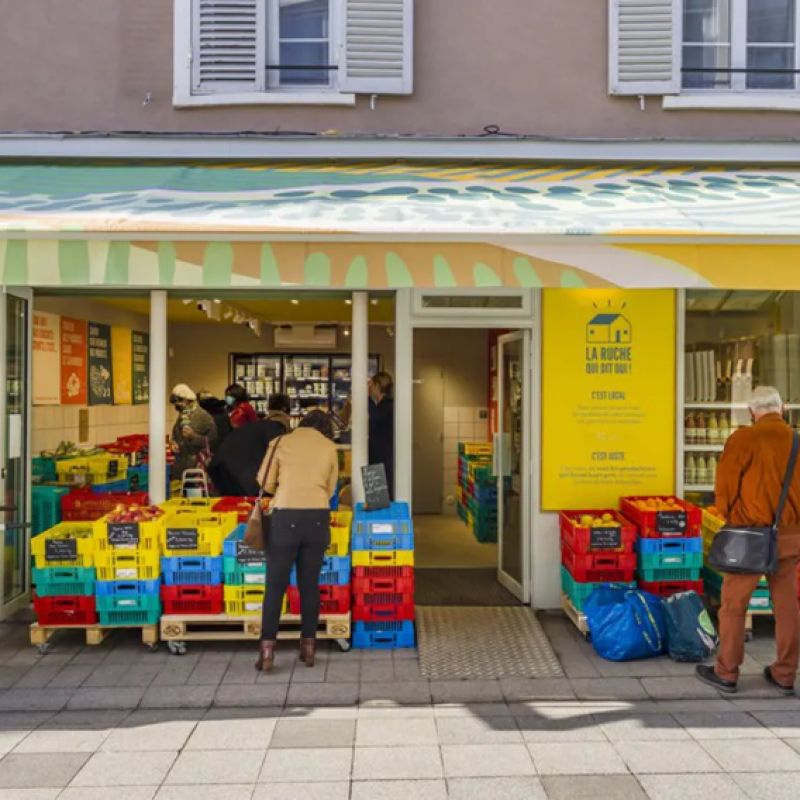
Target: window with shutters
(291, 51)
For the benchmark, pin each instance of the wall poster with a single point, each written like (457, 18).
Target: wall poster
(74, 371)
(45, 343)
(122, 361)
(608, 396)
(141, 367)
(101, 386)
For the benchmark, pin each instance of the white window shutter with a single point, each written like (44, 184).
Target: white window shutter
(228, 46)
(377, 47)
(645, 46)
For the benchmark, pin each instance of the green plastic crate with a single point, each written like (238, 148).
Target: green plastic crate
(43, 469)
(238, 574)
(46, 507)
(124, 609)
(61, 581)
(484, 534)
(669, 574)
(578, 593)
(658, 563)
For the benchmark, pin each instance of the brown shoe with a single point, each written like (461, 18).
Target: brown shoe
(266, 655)
(308, 651)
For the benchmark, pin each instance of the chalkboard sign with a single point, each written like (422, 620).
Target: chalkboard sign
(376, 487)
(121, 534)
(61, 550)
(181, 538)
(249, 555)
(113, 468)
(605, 538)
(673, 522)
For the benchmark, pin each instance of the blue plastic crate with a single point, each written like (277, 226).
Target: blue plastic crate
(113, 486)
(46, 507)
(387, 529)
(191, 570)
(335, 572)
(383, 635)
(127, 588)
(691, 544)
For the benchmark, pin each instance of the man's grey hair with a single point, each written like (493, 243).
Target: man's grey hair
(765, 400)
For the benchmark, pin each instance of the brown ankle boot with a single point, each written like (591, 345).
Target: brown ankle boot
(308, 650)
(266, 655)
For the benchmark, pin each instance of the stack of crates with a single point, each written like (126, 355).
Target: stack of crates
(106, 472)
(597, 546)
(192, 562)
(670, 547)
(383, 578)
(64, 575)
(477, 490)
(87, 505)
(127, 558)
(46, 507)
(244, 574)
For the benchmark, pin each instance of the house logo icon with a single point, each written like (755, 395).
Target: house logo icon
(608, 329)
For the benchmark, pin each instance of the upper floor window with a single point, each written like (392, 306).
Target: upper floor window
(291, 51)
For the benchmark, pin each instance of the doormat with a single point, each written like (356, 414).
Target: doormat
(460, 587)
(476, 643)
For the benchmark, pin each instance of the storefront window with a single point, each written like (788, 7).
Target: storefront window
(735, 341)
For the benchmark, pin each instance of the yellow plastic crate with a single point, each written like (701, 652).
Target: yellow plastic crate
(247, 601)
(68, 544)
(341, 524)
(103, 468)
(476, 448)
(711, 525)
(150, 534)
(383, 558)
(191, 503)
(212, 529)
(127, 565)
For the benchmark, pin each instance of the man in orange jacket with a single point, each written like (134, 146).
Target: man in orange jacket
(748, 485)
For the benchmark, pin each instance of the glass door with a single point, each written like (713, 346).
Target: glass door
(512, 462)
(15, 309)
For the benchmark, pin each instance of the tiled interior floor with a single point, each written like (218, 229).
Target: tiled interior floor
(442, 540)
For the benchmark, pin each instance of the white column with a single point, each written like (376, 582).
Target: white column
(359, 335)
(403, 396)
(158, 396)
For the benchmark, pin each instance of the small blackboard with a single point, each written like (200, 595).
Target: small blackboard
(61, 550)
(671, 522)
(376, 487)
(181, 538)
(113, 468)
(605, 538)
(249, 555)
(123, 533)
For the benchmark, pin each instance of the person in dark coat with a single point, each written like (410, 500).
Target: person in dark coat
(235, 464)
(381, 424)
(219, 413)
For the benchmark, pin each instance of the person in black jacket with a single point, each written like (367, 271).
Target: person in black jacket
(235, 464)
(219, 413)
(381, 424)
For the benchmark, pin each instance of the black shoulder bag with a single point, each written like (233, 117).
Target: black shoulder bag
(753, 551)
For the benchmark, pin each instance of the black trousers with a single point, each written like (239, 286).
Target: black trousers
(296, 537)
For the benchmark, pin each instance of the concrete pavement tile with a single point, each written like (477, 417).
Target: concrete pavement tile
(34, 699)
(217, 766)
(646, 668)
(754, 755)
(482, 710)
(554, 726)
(390, 732)
(666, 757)
(10, 739)
(520, 788)
(23, 721)
(758, 785)
(296, 733)
(784, 724)
(108, 676)
(90, 719)
(38, 677)
(323, 712)
(267, 695)
(406, 670)
(62, 741)
(751, 704)
(380, 711)
(398, 763)
(302, 791)
(520, 689)
(29, 794)
(399, 790)
(473, 730)
(692, 787)
(101, 793)
(486, 760)
(608, 689)
(377, 671)
(143, 732)
(677, 688)
(235, 734)
(208, 673)
(125, 769)
(178, 697)
(228, 791)
(795, 743)
(706, 705)
(124, 697)
(642, 728)
(330, 764)
(396, 693)
(593, 787)
(343, 671)
(27, 770)
(466, 692)
(735, 725)
(593, 758)
(323, 694)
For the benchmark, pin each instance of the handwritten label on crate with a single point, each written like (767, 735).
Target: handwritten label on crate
(605, 538)
(123, 534)
(671, 522)
(382, 527)
(113, 468)
(376, 487)
(248, 555)
(61, 550)
(181, 538)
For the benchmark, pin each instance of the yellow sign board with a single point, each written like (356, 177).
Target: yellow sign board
(608, 396)
(122, 359)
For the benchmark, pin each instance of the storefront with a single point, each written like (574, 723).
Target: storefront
(627, 311)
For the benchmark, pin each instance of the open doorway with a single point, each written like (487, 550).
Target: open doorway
(469, 465)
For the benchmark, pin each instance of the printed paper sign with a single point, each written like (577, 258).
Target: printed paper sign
(141, 367)
(46, 347)
(74, 369)
(101, 385)
(122, 359)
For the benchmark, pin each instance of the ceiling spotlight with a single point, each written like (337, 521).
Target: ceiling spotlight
(347, 331)
(187, 301)
(217, 300)
(374, 301)
(349, 301)
(295, 301)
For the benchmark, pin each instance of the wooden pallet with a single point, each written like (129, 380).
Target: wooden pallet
(577, 618)
(95, 634)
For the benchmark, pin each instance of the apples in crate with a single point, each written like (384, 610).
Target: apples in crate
(134, 513)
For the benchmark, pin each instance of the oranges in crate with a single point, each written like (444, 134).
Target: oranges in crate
(658, 504)
(605, 521)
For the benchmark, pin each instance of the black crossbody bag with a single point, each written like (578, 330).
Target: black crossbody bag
(753, 551)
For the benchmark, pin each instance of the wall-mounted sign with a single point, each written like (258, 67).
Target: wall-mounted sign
(122, 360)
(45, 342)
(141, 367)
(101, 385)
(74, 372)
(608, 396)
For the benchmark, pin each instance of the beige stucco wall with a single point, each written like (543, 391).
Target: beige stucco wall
(535, 67)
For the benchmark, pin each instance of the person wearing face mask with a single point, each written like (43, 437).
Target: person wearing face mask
(194, 431)
(239, 409)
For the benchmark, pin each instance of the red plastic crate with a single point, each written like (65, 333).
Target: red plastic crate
(193, 599)
(650, 524)
(383, 579)
(668, 588)
(578, 538)
(378, 606)
(600, 566)
(84, 505)
(332, 599)
(243, 506)
(65, 610)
